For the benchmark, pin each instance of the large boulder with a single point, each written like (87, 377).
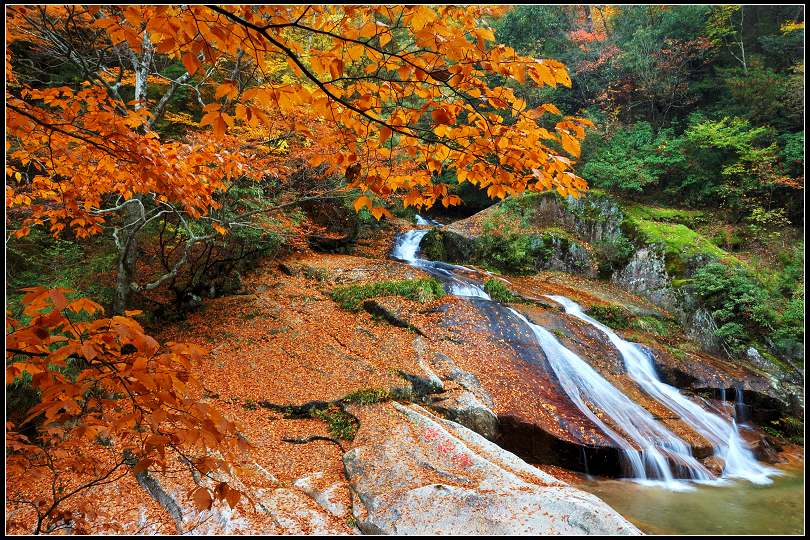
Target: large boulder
(426, 475)
(464, 400)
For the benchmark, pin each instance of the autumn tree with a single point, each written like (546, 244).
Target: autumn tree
(392, 96)
(386, 97)
(111, 401)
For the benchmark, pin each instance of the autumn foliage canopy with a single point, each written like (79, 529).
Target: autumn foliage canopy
(398, 100)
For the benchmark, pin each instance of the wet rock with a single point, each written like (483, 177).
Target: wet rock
(767, 449)
(434, 476)
(714, 464)
(443, 245)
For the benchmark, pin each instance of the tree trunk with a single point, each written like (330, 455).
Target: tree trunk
(127, 243)
(127, 235)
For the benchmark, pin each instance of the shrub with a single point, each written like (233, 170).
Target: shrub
(613, 316)
(422, 290)
(498, 291)
(613, 254)
(513, 253)
(739, 304)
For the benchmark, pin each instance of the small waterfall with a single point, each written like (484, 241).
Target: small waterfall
(406, 248)
(427, 221)
(652, 451)
(738, 460)
(740, 411)
(656, 449)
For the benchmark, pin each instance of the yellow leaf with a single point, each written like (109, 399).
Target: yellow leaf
(361, 202)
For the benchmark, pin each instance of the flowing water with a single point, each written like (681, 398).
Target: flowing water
(728, 445)
(653, 453)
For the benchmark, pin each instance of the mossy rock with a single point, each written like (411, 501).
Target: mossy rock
(447, 246)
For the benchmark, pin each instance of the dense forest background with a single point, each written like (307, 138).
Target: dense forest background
(695, 107)
(700, 108)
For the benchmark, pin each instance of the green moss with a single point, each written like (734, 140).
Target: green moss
(432, 246)
(367, 396)
(341, 424)
(664, 215)
(498, 291)
(652, 325)
(614, 316)
(423, 290)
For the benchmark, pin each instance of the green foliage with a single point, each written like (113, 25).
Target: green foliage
(423, 290)
(367, 396)
(342, 425)
(513, 253)
(614, 316)
(432, 246)
(738, 302)
(20, 397)
(652, 325)
(613, 254)
(40, 259)
(632, 160)
(498, 291)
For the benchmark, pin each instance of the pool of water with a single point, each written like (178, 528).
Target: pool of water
(738, 507)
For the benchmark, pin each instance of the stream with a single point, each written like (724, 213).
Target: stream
(670, 488)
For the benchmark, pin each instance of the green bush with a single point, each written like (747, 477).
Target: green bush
(632, 160)
(498, 291)
(423, 290)
(613, 254)
(513, 253)
(613, 316)
(741, 306)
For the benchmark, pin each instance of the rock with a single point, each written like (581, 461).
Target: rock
(389, 310)
(756, 359)
(330, 244)
(646, 274)
(434, 476)
(565, 255)
(766, 449)
(463, 399)
(325, 494)
(449, 371)
(276, 509)
(466, 409)
(715, 464)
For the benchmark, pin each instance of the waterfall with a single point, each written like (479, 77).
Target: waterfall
(739, 461)
(656, 449)
(652, 451)
(427, 221)
(407, 246)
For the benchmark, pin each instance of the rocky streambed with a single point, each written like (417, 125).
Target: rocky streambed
(465, 425)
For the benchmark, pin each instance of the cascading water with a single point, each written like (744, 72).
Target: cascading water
(405, 250)
(659, 450)
(652, 451)
(739, 462)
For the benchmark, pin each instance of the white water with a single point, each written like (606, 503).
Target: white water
(405, 250)
(654, 443)
(654, 454)
(427, 221)
(724, 436)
